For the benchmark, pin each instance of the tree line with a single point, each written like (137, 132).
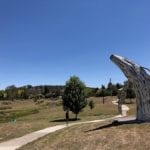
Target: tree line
(48, 91)
(111, 90)
(31, 92)
(34, 92)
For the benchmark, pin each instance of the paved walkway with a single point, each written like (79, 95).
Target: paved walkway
(125, 108)
(13, 144)
(124, 115)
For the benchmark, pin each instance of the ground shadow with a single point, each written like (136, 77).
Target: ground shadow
(64, 120)
(116, 123)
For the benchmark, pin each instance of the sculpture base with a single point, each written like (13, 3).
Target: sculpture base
(143, 118)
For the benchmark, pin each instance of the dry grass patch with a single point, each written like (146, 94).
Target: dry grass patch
(89, 137)
(49, 113)
(23, 119)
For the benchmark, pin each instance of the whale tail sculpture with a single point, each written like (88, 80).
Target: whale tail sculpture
(140, 79)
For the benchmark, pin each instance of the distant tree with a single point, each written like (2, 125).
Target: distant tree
(91, 104)
(98, 92)
(103, 87)
(109, 87)
(130, 92)
(45, 90)
(11, 92)
(20, 93)
(114, 90)
(28, 86)
(10, 87)
(95, 91)
(119, 86)
(56, 93)
(1, 94)
(74, 98)
(90, 92)
(103, 93)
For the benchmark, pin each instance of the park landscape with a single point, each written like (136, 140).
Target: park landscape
(50, 113)
(74, 75)
(93, 121)
(30, 115)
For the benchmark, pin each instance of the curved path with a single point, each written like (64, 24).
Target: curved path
(124, 108)
(15, 143)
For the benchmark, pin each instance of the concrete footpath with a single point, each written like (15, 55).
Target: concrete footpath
(15, 143)
(124, 108)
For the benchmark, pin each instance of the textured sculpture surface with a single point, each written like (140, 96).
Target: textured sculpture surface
(141, 83)
(122, 98)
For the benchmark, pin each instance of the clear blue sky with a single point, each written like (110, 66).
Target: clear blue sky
(47, 41)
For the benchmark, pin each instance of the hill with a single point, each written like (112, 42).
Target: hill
(35, 92)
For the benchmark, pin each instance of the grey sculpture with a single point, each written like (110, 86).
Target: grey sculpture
(141, 82)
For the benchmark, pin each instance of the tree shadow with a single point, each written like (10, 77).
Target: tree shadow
(64, 120)
(116, 123)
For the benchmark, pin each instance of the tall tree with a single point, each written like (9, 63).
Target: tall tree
(109, 87)
(74, 98)
(103, 93)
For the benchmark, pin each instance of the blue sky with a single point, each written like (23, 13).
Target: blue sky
(47, 41)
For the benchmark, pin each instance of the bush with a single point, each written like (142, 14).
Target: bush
(91, 104)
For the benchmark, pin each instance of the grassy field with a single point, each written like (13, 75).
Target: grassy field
(21, 117)
(96, 136)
